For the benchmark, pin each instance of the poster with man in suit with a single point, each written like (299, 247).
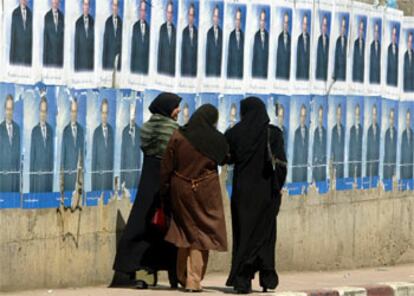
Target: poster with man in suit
(303, 49)
(42, 152)
(214, 47)
(322, 53)
(358, 67)
(407, 148)
(375, 54)
(355, 144)
(130, 151)
(53, 36)
(185, 114)
(260, 60)
(189, 43)
(21, 35)
(281, 115)
(284, 47)
(300, 148)
(373, 144)
(392, 57)
(10, 149)
(229, 107)
(235, 56)
(409, 65)
(390, 146)
(338, 143)
(112, 39)
(187, 106)
(167, 43)
(73, 148)
(341, 49)
(141, 41)
(319, 147)
(85, 39)
(103, 152)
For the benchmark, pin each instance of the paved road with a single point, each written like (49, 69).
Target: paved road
(295, 281)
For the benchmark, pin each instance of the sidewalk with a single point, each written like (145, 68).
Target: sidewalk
(385, 281)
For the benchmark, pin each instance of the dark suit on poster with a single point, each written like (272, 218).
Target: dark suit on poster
(283, 57)
(130, 156)
(112, 44)
(102, 159)
(303, 57)
(409, 71)
(392, 66)
(10, 158)
(355, 151)
(21, 38)
(337, 149)
(235, 56)
(407, 154)
(322, 59)
(390, 153)
(214, 52)
(84, 44)
(373, 149)
(260, 55)
(189, 52)
(340, 59)
(358, 68)
(53, 39)
(73, 143)
(166, 51)
(300, 155)
(41, 160)
(140, 48)
(319, 154)
(375, 63)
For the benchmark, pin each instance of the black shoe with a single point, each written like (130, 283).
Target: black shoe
(141, 285)
(242, 291)
(123, 280)
(174, 286)
(172, 278)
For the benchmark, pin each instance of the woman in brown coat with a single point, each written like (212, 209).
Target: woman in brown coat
(190, 180)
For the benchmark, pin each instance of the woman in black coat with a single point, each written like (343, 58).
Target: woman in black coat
(142, 247)
(256, 196)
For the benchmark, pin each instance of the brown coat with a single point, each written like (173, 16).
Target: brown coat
(196, 202)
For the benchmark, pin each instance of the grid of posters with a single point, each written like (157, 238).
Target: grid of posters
(337, 79)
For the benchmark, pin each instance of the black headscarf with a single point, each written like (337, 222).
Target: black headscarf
(203, 135)
(164, 104)
(251, 131)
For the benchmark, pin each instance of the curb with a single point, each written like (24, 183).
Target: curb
(382, 289)
(402, 289)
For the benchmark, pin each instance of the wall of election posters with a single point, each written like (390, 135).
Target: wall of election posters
(337, 79)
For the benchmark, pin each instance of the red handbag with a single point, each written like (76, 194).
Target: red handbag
(159, 220)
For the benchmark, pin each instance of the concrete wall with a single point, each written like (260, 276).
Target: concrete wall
(60, 248)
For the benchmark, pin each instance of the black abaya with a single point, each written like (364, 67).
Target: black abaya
(254, 204)
(141, 246)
